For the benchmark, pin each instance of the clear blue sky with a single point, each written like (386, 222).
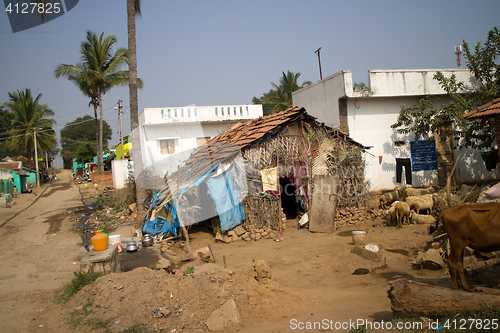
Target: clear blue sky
(226, 52)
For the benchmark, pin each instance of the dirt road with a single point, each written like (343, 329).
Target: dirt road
(38, 253)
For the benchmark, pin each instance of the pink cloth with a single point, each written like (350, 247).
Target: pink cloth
(493, 192)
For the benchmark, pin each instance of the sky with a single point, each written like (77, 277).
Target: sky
(227, 52)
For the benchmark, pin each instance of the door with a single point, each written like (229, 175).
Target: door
(323, 204)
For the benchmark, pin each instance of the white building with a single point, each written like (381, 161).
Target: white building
(169, 135)
(367, 116)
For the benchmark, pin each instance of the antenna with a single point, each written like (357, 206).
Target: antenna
(458, 52)
(319, 61)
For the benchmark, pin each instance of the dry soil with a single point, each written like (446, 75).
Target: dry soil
(311, 280)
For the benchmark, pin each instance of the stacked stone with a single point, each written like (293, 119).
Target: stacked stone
(351, 215)
(246, 233)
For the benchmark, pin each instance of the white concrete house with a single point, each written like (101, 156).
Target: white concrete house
(367, 115)
(170, 134)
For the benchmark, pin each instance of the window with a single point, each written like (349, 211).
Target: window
(195, 112)
(228, 111)
(215, 111)
(248, 114)
(167, 146)
(222, 113)
(175, 115)
(182, 115)
(201, 141)
(241, 111)
(162, 113)
(168, 113)
(189, 112)
(234, 110)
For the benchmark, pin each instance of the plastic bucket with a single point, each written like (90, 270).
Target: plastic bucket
(358, 237)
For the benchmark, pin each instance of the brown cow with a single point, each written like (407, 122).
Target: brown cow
(474, 225)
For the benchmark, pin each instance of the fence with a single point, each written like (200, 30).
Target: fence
(6, 186)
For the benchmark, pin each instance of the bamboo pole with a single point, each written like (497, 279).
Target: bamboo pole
(184, 230)
(448, 181)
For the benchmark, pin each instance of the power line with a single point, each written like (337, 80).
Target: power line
(53, 129)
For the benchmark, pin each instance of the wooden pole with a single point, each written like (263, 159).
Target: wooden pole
(448, 182)
(36, 160)
(184, 230)
(120, 107)
(410, 298)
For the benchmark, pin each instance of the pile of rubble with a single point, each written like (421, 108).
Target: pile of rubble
(349, 216)
(246, 233)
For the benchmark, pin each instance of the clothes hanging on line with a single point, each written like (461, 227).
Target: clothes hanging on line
(406, 163)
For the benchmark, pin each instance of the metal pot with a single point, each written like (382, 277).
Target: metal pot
(147, 240)
(132, 247)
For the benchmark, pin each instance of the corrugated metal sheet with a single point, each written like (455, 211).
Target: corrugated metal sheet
(15, 166)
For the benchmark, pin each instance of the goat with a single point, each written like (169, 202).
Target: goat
(402, 213)
(423, 202)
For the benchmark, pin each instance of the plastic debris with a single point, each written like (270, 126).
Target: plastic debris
(372, 248)
(157, 313)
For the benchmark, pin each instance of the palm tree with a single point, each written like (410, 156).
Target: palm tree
(134, 10)
(85, 85)
(98, 72)
(28, 118)
(288, 84)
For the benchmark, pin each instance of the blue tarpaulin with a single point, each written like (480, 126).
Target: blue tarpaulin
(160, 226)
(227, 197)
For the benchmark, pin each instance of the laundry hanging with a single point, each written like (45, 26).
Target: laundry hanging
(269, 179)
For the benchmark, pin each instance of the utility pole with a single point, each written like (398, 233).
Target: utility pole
(458, 52)
(120, 107)
(319, 61)
(36, 160)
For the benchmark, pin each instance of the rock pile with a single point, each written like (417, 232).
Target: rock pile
(246, 233)
(349, 216)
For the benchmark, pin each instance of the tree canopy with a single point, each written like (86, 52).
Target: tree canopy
(78, 139)
(280, 98)
(5, 124)
(27, 117)
(423, 119)
(98, 72)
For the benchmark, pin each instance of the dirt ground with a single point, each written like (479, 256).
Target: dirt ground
(311, 280)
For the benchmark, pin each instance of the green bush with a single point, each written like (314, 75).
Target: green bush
(80, 280)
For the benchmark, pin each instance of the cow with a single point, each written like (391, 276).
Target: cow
(474, 225)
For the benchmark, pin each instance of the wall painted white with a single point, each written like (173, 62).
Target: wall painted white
(185, 125)
(120, 173)
(371, 113)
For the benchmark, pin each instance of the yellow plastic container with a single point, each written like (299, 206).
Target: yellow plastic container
(100, 241)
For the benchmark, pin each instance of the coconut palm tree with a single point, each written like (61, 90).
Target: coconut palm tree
(288, 84)
(84, 83)
(98, 71)
(133, 11)
(30, 117)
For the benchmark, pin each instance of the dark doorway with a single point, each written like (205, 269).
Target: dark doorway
(287, 193)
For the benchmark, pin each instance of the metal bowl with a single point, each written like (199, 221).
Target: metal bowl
(132, 247)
